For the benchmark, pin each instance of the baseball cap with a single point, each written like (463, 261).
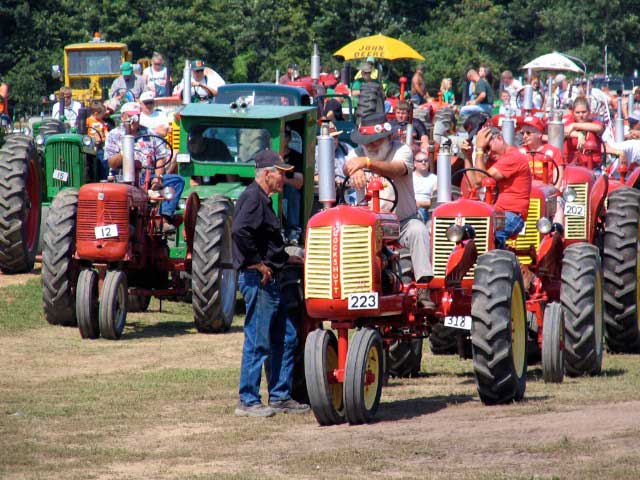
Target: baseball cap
(293, 65)
(269, 158)
(130, 108)
(342, 89)
(197, 65)
(533, 122)
(147, 96)
(126, 68)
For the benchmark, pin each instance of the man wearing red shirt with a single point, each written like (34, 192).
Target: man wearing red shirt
(537, 151)
(510, 169)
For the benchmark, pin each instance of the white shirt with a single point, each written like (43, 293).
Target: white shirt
(631, 149)
(154, 78)
(424, 186)
(406, 196)
(70, 112)
(513, 89)
(156, 119)
(211, 79)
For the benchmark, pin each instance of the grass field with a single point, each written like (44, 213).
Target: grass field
(159, 404)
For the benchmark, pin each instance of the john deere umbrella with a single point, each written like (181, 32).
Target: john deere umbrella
(377, 46)
(553, 61)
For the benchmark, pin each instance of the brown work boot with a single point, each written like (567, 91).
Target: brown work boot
(424, 299)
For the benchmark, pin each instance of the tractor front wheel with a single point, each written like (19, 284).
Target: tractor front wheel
(19, 205)
(363, 377)
(581, 297)
(59, 271)
(499, 328)
(139, 303)
(325, 393)
(553, 344)
(621, 270)
(214, 280)
(113, 305)
(87, 304)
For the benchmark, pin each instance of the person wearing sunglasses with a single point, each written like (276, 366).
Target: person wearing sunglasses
(68, 110)
(152, 118)
(424, 185)
(537, 151)
(156, 76)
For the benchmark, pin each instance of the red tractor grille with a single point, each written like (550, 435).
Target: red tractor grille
(111, 212)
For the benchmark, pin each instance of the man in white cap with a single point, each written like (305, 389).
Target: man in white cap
(152, 118)
(150, 152)
(562, 90)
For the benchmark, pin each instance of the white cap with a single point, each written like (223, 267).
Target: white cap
(131, 108)
(560, 78)
(146, 96)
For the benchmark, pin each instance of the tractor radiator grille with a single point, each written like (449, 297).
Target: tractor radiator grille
(442, 247)
(575, 228)
(175, 136)
(355, 260)
(317, 272)
(115, 212)
(531, 236)
(62, 156)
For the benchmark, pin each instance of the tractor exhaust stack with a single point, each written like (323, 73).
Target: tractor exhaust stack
(315, 63)
(509, 128)
(555, 130)
(128, 158)
(619, 123)
(409, 135)
(186, 79)
(527, 101)
(444, 171)
(326, 168)
(631, 103)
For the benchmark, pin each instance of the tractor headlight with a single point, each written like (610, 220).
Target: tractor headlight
(455, 233)
(544, 225)
(168, 193)
(40, 139)
(569, 195)
(87, 141)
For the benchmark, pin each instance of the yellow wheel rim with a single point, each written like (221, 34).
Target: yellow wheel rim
(373, 368)
(518, 330)
(335, 389)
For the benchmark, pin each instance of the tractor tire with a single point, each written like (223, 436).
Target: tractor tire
(321, 358)
(139, 303)
(59, 272)
(87, 304)
(553, 344)
(581, 297)
(364, 358)
(51, 127)
(499, 329)
(403, 358)
(443, 340)
(214, 281)
(113, 305)
(620, 268)
(19, 204)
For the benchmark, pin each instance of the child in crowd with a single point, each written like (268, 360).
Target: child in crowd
(97, 129)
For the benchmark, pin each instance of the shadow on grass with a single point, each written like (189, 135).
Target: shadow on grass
(415, 407)
(170, 328)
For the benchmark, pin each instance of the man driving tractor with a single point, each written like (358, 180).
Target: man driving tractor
(151, 152)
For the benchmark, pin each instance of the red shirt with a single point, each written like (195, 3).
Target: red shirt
(592, 146)
(536, 162)
(515, 189)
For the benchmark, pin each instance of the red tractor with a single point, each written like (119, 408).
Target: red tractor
(105, 251)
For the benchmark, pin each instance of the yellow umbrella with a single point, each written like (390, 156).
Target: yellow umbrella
(377, 46)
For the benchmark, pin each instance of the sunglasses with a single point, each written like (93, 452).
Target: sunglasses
(529, 132)
(422, 161)
(148, 102)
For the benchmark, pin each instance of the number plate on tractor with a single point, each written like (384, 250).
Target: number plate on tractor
(363, 301)
(60, 175)
(106, 231)
(458, 321)
(574, 210)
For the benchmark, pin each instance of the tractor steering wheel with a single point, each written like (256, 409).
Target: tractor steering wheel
(155, 147)
(128, 95)
(97, 132)
(473, 193)
(547, 159)
(346, 184)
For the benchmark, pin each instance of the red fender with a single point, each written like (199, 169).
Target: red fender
(550, 255)
(596, 201)
(462, 258)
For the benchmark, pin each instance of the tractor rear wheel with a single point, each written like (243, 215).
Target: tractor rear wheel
(51, 127)
(621, 270)
(139, 303)
(553, 343)
(581, 297)
(214, 280)
(59, 271)
(499, 329)
(443, 340)
(404, 357)
(363, 376)
(87, 304)
(19, 204)
(113, 305)
(321, 358)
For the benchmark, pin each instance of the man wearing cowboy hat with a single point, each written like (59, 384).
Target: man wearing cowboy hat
(394, 160)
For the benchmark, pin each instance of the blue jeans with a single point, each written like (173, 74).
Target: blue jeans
(103, 165)
(424, 214)
(480, 108)
(292, 199)
(513, 223)
(269, 334)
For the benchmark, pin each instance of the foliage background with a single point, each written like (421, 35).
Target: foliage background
(248, 40)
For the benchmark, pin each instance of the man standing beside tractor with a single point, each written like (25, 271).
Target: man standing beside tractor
(151, 153)
(394, 160)
(259, 255)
